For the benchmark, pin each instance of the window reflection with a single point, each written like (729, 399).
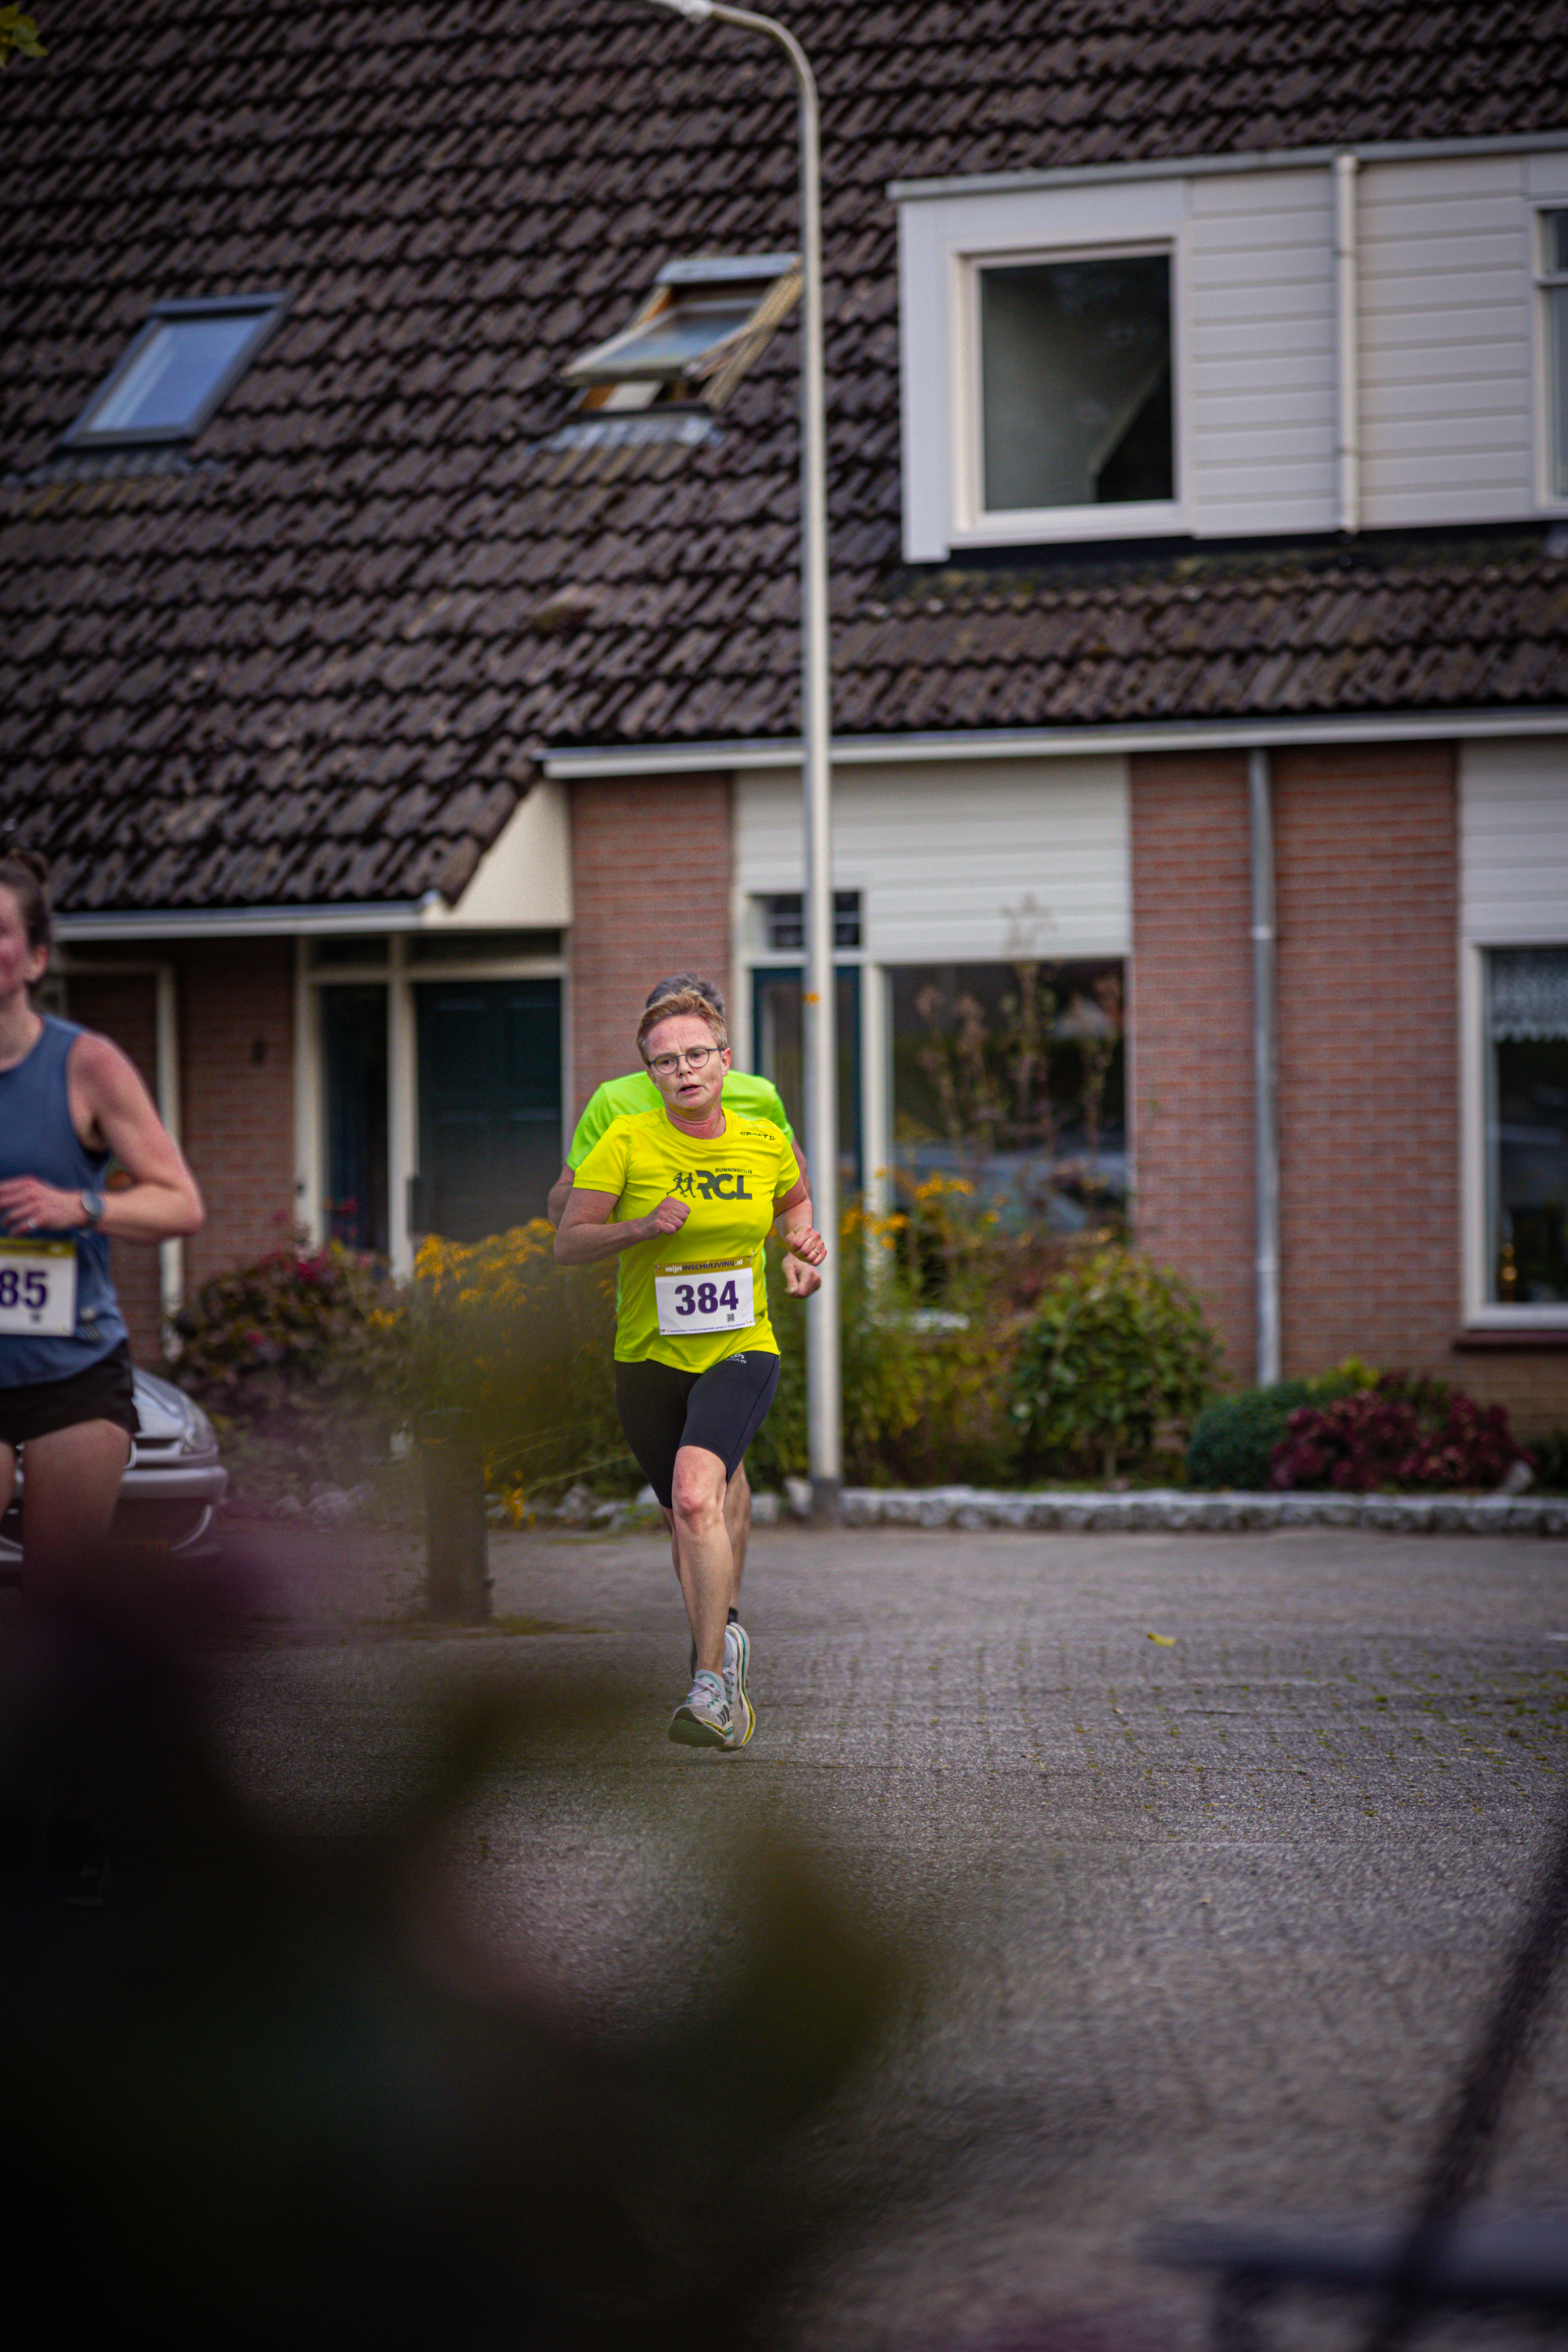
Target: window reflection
(1527, 1018)
(1010, 1077)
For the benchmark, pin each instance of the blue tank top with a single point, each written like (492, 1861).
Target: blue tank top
(36, 1139)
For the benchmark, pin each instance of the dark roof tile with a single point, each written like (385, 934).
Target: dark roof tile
(314, 669)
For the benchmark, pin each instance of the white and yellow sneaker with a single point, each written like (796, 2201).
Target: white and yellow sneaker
(704, 1717)
(737, 1662)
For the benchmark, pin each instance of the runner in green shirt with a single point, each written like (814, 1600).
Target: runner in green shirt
(749, 1097)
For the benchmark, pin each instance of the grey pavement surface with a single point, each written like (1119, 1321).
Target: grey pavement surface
(1212, 1846)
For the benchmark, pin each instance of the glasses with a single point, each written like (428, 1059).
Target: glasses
(664, 1066)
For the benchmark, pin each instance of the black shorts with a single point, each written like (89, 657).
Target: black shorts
(102, 1392)
(662, 1410)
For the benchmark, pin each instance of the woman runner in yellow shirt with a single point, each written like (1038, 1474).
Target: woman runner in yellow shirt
(687, 1193)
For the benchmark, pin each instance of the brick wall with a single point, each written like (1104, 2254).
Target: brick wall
(1189, 1031)
(125, 1007)
(651, 880)
(1366, 879)
(1367, 897)
(235, 1018)
(236, 1022)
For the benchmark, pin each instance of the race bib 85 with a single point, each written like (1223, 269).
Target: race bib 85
(38, 1288)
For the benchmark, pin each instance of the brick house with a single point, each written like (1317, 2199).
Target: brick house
(395, 707)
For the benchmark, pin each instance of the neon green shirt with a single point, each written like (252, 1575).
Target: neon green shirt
(732, 1184)
(625, 1097)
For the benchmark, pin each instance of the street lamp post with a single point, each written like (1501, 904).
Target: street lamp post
(820, 1009)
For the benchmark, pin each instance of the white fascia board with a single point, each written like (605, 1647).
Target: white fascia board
(1262, 159)
(245, 922)
(1064, 742)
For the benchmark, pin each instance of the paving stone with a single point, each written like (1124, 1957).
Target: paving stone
(1210, 1845)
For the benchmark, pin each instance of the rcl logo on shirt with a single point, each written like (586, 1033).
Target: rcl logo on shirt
(710, 1185)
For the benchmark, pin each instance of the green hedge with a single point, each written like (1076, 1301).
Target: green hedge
(1233, 1439)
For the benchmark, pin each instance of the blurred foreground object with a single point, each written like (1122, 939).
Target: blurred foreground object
(276, 2090)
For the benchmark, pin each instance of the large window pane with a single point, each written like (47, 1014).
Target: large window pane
(776, 1015)
(1010, 1077)
(1529, 1125)
(353, 1053)
(1075, 383)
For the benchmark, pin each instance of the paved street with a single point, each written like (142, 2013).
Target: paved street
(1212, 1844)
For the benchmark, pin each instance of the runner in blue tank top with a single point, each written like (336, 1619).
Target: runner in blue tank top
(68, 1101)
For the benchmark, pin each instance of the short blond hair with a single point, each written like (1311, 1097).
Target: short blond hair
(672, 1008)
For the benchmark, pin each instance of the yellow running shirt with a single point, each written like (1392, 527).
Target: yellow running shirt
(732, 1184)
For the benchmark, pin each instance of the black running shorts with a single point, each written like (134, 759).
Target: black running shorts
(102, 1392)
(721, 1410)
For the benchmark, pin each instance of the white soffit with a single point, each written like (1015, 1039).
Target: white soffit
(978, 862)
(1513, 843)
(524, 882)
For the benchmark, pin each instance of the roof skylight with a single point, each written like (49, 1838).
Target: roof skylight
(177, 369)
(703, 325)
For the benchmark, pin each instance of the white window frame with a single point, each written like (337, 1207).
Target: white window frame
(944, 242)
(974, 521)
(1481, 1312)
(390, 965)
(1546, 283)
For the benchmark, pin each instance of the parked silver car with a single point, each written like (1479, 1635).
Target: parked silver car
(173, 1485)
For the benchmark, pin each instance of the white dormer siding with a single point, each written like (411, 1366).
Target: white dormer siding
(1260, 380)
(1450, 413)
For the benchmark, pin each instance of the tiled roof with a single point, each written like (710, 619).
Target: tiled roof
(319, 662)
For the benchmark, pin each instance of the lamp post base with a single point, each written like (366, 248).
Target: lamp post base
(825, 1495)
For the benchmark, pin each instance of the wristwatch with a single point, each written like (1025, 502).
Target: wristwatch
(92, 1207)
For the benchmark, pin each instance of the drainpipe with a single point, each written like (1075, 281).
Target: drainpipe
(1264, 1113)
(1347, 401)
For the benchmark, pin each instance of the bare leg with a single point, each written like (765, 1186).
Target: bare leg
(72, 1484)
(738, 1520)
(706, 1565)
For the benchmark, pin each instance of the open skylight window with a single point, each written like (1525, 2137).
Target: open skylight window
(703, 325)
(177, 369)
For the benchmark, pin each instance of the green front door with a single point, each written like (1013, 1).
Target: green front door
(490, 1104)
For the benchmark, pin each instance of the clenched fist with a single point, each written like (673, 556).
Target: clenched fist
(667, 1218)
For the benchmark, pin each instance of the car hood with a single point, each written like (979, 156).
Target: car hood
(163, 1409)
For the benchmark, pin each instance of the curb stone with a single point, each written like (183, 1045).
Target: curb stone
(972, 1507)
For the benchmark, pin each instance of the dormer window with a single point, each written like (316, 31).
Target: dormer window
(176, 370)
(1074, 404)
(703, 325)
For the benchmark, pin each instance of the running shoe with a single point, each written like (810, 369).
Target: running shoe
(735, 1618)
(737, 1661)
(703, 1719)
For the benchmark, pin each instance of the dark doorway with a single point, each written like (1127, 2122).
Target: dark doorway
(490, 1104)
(353, 1056)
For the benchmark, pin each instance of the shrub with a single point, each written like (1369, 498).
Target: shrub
(287, 1356)
(1234, 1439)
(1409, 1433)
(924, 1392)
(296, 1333)
(496, 1331)
(1117, 1355)
(311, 1357)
